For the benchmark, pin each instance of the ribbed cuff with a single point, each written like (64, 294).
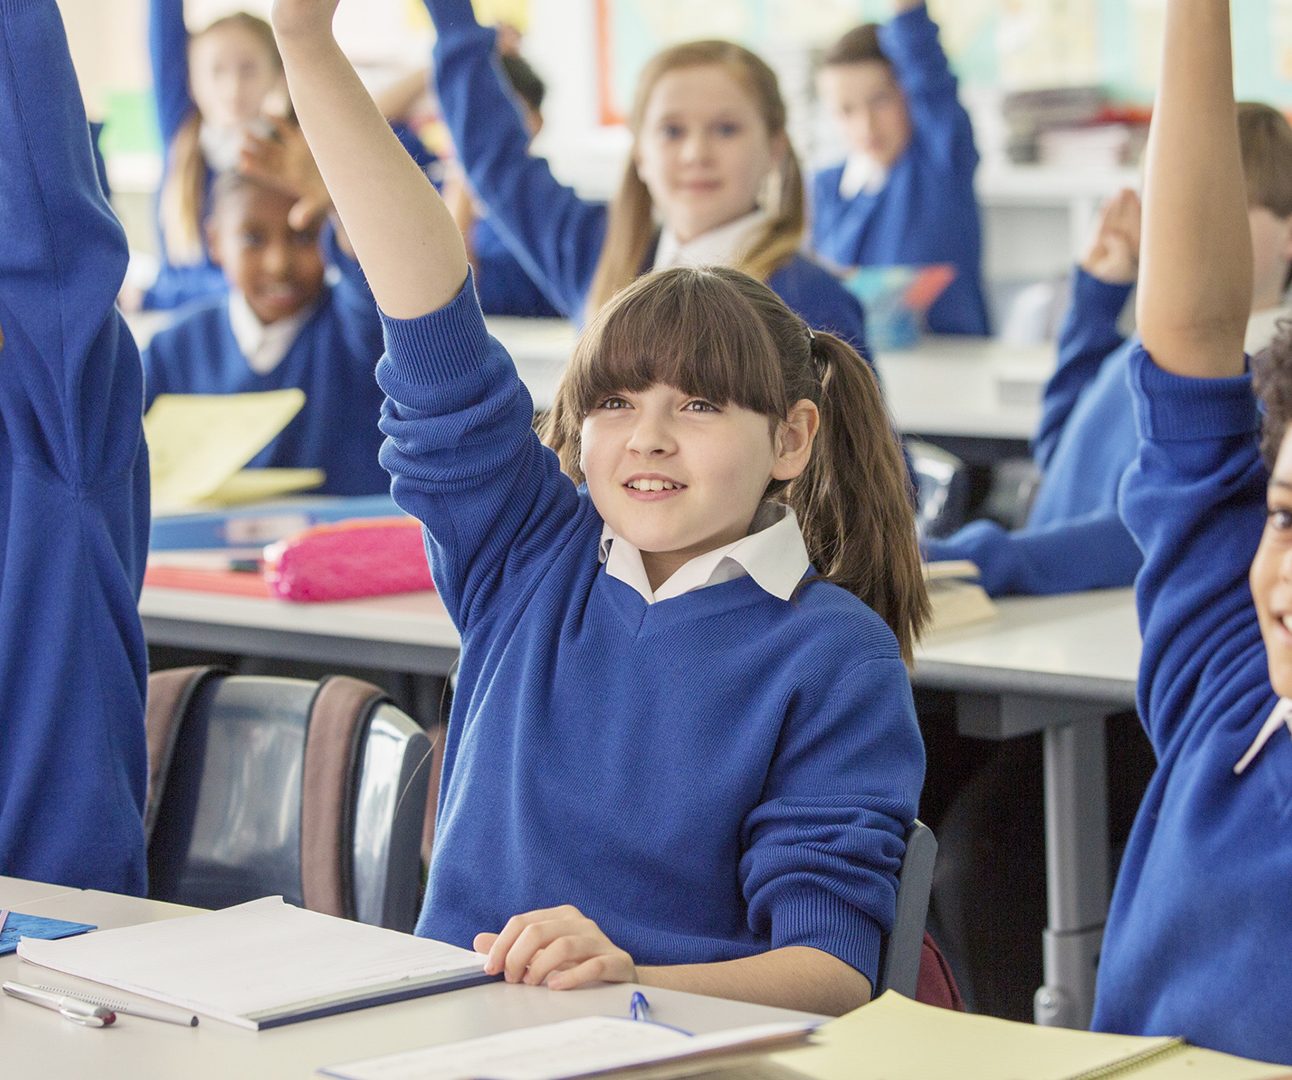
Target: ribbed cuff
(441, 347)
(1174, 408)
(819, 920)
(1090, 294)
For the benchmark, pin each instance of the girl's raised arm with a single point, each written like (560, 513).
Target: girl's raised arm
(402, 233)
(1195, 285)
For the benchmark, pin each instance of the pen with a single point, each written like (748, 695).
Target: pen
(639, 1007)
(79, 1012)
(4, 918)
(143, 1010)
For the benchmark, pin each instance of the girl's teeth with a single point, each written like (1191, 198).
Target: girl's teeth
(652, 485)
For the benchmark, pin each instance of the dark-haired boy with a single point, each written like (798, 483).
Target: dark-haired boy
(73, 488)
(905, 194)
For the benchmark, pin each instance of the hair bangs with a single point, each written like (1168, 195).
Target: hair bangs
(685, 328)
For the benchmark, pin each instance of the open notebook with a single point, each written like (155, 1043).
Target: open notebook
(262, 964)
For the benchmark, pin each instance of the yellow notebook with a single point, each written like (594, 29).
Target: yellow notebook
(894, 1038)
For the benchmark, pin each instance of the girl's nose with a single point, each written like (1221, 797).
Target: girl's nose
(651, 437)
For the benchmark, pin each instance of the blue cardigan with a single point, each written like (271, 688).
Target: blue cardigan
(1074, 538)
(760, 804)
(73, 488)
(927, 211)
(1200, 929)
(332, 359)
(556, 236)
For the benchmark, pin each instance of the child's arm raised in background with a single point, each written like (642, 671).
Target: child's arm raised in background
(168, 50)
(555, 235)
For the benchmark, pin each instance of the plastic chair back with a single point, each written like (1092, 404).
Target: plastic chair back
(899, 958)
(942, 488)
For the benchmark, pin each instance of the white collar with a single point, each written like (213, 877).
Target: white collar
(861, 174)
(723, 246)
(263, 346)
(773, 554)
(1263, 327)
(1281, 716)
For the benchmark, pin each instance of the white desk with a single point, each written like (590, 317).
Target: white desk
(37, 1042)
(946, 386)
(17, 892)
(1056, 665)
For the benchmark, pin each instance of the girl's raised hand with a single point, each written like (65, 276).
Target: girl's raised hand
(1113, 255)
(560, 946)
(283, 160)
(298, 18)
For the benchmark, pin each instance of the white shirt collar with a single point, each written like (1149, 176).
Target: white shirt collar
(723, 246)
(861, 174)
(263, 346)
(773, 554)
(1281, 716)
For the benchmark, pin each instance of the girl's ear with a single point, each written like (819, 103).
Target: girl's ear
(794, 438)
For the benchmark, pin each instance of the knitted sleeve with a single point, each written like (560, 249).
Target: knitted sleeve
(168, 50)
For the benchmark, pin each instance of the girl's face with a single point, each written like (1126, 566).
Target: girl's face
(677, 476)
(704, 150)
(869, 108)
(1271, 253)
(1271, 574)
(231, 76)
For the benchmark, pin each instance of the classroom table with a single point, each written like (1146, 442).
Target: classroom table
(38, 1042)
(1057, 665)
(15, 892)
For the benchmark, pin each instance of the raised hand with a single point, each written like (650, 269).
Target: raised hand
(1113, 255)
(560, 946)
(282, 159)
(303, 18)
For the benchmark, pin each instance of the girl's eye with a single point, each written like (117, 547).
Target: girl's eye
(700, 405)
(252, 239)
(671, 131)
(727, 129)
(612, 402)
(1280, 520)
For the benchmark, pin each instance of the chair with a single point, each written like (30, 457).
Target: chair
(942, 495)
(899, 957)
(264, 786)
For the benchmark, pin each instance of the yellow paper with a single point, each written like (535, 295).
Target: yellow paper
(895, 1038)
(256, 485)
(196, 442)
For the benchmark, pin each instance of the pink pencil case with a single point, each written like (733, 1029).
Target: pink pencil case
(343, 561)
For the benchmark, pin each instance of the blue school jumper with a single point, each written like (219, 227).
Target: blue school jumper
(1074, 538)
(501, 282)
(926, 212)
(706, 777)
(73, 489)
(176, 285)
(332, 359)
(1200, 929)
(556, 236)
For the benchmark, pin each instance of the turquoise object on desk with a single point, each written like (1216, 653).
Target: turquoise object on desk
(36, 926)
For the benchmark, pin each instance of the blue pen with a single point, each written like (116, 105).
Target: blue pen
(639, 1007)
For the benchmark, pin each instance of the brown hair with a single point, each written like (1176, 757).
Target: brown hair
(1272, 381)
(860, 45)
(183, 193)
(631, 223)
(1266, 140)
(720, 334)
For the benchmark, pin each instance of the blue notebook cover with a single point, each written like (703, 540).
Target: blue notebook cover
(37, 926)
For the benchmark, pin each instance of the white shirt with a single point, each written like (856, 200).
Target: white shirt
(1280, 717)
(263, 346)
(773, 554)
(861, 173)
(723, 246)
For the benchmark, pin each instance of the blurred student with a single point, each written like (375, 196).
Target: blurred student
(711, 161)
(211, 89)
(1074, 538)
(905, 195)
(1200, 928)
(280, 324)
(73, 488)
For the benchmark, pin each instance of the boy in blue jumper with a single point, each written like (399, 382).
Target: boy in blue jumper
(282, 325)
(1200, 929)
(73, 488)
(905, 194)
(1074, 538)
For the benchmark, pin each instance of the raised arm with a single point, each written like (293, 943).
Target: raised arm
(1196, 275)
(401, 231)
(168, 50)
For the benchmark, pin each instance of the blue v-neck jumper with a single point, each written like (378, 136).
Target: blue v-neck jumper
(73, 488)
(706, 777)
(927, 211)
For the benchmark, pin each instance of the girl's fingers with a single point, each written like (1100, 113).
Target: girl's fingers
(594, 969)
(499, 954)
(566, 951)
(482, 943)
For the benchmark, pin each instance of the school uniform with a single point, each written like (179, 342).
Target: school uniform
(329, 351)
(1075, 538)
(707, 776)
(73, 489)
(1200, 930)
(923, 210)
(556, 236)
(501, 282)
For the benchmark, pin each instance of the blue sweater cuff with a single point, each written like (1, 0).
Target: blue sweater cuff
(440, 347)
(1176, 408)
(452, 16)
(819, 920)
(1090, 294)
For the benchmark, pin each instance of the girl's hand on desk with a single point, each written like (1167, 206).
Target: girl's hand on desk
(560, 945)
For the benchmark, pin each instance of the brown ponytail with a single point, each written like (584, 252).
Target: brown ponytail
(718, 333)
(631, 224)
